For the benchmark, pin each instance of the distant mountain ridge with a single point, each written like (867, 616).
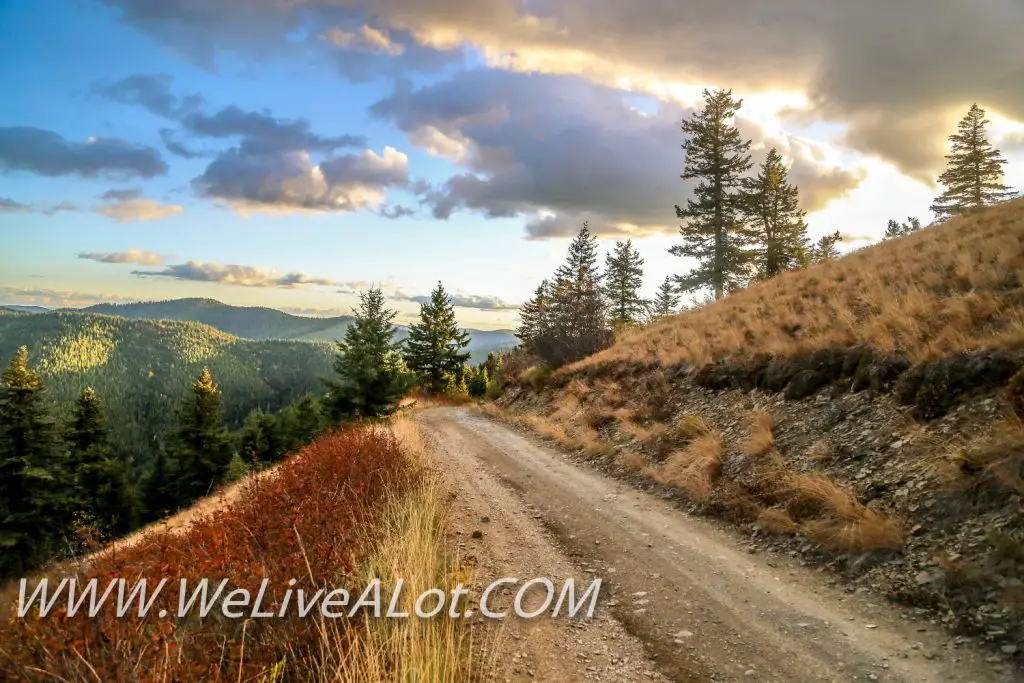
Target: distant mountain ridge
(258, 322)
(18, 308)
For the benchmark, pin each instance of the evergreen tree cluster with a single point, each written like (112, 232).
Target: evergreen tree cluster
(62, 486)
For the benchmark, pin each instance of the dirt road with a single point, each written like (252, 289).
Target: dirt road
(702, 606)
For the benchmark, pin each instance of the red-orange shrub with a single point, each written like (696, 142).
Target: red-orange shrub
(312, 520)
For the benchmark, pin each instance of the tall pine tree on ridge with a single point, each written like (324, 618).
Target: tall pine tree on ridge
(974, 174)
(714, 231)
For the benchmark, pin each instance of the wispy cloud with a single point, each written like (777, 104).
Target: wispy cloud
(460, 300)
(56, 298)
(133, 255)
(131, 210)
(234, 274)
(8, 205)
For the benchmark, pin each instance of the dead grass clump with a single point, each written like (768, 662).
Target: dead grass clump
(691, 426)
(693, 469)
(596, 416)
(578, 388)
(536, 376)
(760, 437)
(565, 406)
(843, 522)
(632, 461)
(777, 521)
(643, 433)
(591, 442)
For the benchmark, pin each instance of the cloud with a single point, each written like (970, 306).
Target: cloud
(140, 209)
(231, 274)
(55, 298)
(133, 255)
(263, 133)
(559, 150)
(122, 194)
(150, 91)
(43, 152)
(289, 181)
(365, 39)
(882, 69)
(8, 205)
(483, 303)
(1014, 142)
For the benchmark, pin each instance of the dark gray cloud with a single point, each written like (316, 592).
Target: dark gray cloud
(897, 74)
(263, 133)
(122, 194)
(233, 274)
(288, 180)
(137, 256)
(180, 149)
(45, 153)
(560, 150)
(152, 92)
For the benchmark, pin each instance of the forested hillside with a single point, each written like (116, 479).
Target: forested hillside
(257, 322)
(142, 369)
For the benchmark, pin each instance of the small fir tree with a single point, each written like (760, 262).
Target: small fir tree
(201, 445)
(666, 301)
(371, 375)
(776, 220)
(102, 487)
(623, 277)
(974, 170)
(35, 497)
(434, 347)
(578, 320)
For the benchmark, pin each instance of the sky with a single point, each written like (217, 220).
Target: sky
(291, 154)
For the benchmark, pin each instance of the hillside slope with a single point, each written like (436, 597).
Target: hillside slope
(864, 414)
(257, 322)
(142, 369)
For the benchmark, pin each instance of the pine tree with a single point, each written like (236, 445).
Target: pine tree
(160, 498)
(825, 248)
(372, 376)
(895, 229)
(478, 381)
(434, 347)
(666, 301)
(623, 277)
(974, 170)
(262, 440)
(772, 206)
(302, 422)
(35, 497)
(578, 322)
(201, 444)
(102, 487)
(714, 232)
(535, 321)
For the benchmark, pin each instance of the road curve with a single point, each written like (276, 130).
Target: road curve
(706, 608)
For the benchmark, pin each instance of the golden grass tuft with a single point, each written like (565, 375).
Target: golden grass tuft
(693, 469)
(776, 521)
(944, 289)
(846, 524)
(690, 427)
(412, 548)
(760, 435)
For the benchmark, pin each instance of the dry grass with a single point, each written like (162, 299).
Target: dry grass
(777, 521)
(941, 290)
(413, 549)
(690, 427)
(997, 461)
(643, 433)
(844, 523)
(760, 435)
(632, 461)
(693, 469)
